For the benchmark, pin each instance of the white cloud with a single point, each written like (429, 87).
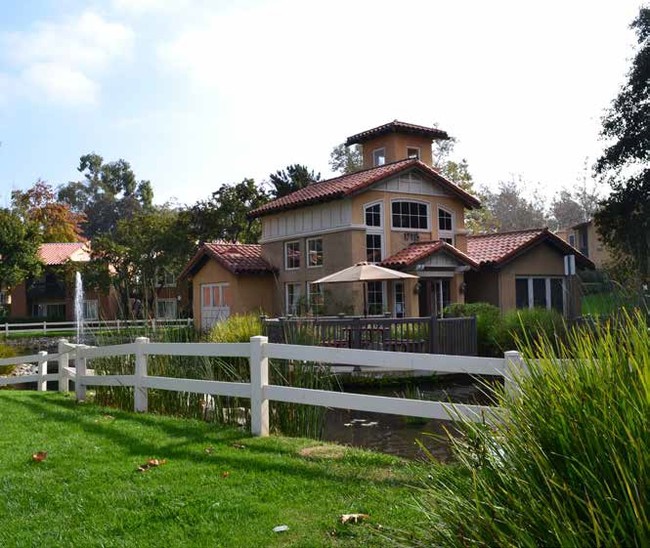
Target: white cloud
(64, 59)
(140, 7)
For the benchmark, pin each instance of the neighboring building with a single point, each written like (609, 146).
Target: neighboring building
(585, 238)
(522, 269)
(229, 278)
(51, 296)
(399, 212)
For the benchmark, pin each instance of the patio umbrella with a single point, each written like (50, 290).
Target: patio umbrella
(364, 272)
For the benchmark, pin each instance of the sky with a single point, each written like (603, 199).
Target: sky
(198, 93)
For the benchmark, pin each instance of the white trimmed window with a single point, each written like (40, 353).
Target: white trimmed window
(413, 152)
(373, 214)
(535, 292)
(315, 298)
(293, 294)
(292, 255)
(409, 215)
(379, 157)
(166, 309)
(400, 300)
(314, 253)
(376, 300)
(445, 226)
(213, 295)
(90, 310)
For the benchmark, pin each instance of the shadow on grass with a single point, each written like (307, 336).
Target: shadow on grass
(251, 457)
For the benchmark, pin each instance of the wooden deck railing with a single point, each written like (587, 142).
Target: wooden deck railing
(455, 336)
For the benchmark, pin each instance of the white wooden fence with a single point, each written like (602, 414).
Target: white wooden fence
(92, 325)
(260, 392)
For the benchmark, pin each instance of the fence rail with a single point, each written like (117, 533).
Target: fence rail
(431, 335)
(92, 325)
(259, 351)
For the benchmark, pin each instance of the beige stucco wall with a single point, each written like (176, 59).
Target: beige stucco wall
(247, 293)
(482, 287)
(396, 146)
(542, 260)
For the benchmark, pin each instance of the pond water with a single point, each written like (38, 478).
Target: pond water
(406, 436)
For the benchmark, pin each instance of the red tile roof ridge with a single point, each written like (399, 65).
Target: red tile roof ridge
(410, 254)
(388, 127)
(508, 232)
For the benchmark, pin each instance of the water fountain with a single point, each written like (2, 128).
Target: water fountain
(79, 307)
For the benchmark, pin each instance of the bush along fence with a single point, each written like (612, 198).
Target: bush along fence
(432, 335)
(258, 352)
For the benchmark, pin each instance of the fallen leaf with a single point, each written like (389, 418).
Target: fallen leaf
(225, 474)
(151, 463)
(353, 518)
(40, 456)
(238, 446)
(209, 450)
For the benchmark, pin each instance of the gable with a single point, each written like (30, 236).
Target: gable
(412, 182)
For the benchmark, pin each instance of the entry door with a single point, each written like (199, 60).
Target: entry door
(434, 296)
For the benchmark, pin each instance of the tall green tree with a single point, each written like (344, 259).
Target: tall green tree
(55, 220)
(108, 192)
(292, 178)
(513, 208)
(19, 243)
(346, 160)
(624, 220)
(224, 215)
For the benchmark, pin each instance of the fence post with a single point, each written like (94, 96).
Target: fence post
(433, 334)
(6, 329)
(355, 333)
(41, 385)
(44, 327)
(140, 393)
(515, 367)
(64, 362)
(80, 372)
(259, 366)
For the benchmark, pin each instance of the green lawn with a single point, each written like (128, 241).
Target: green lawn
(219, 487)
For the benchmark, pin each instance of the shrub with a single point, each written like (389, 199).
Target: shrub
(6, 351)
(568, 463)
(488, 322)
(237, 328)
(529, 325)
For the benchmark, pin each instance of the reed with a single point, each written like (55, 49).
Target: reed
(568, 465)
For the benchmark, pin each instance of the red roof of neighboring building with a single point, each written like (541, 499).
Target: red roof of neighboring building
(235, 257)
(346, 185)
(59, 253)
(501, 247)
(396, 127)
(420, 250)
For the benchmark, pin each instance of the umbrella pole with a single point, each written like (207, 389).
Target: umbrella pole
(365, 299)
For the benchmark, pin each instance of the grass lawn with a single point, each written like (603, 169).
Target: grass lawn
(219, 487)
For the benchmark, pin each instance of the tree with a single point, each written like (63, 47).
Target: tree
(293, 178)
(512, 210)
(108, 193)
(624, 220)
(570, 207)
(55, 220)
(346, 160)
(19, 244)
(224, 215)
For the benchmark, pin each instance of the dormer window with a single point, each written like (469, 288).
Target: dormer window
(378, 157)
(413, 152)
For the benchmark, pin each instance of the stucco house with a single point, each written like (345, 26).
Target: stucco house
(585, 238)
(51, 296)
(399, 212)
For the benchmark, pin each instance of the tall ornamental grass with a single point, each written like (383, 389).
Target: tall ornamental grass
(568, 465)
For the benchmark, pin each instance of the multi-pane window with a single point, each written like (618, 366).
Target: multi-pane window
(410, 215)
(3, 297)
(373, 215)
(399, 300)
(539, 292)
(213, 295)
(314, 252)
(292, 255)
(166, 309)
(373, 248)
(293, 295)
(90, 310)
(51, 311)
(379, 157)
(315, 298)
(165, 279)
(375, 298)
(445, 226)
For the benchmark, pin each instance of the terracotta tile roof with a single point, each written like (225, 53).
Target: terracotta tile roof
(396, 127)
(235, 257)
(420, 250)
(59, 253)
(501, 247)
(346, 185)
